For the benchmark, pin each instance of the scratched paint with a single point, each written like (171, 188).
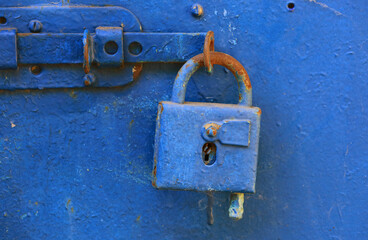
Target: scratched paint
(309, 76)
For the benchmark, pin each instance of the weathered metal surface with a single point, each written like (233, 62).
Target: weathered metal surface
(77, 163)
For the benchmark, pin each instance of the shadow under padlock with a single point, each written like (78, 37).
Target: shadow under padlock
(208, 146)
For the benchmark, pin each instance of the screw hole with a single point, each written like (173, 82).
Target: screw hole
(3, 20)
(291, 6)
(111, 47)
(209, 153)
(135, 48)
(36, 70)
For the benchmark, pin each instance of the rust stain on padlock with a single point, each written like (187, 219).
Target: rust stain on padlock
(159, 111)
(154, 171)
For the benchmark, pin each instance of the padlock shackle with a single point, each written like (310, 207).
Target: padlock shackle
(218, 58)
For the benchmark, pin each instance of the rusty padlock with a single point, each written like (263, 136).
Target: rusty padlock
(207, 146)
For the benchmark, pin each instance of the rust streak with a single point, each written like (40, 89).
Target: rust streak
(259, 112)
(136, 70)
(154, 172)
(160, 108)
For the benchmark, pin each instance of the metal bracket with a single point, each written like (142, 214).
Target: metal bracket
(8, 48)
(55, 40)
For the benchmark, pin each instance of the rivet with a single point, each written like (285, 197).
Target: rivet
(35, 69)
(197, 10)
(211, 131)
(89, 79)
(35, 26)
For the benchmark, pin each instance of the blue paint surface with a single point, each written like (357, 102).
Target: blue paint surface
(76, 163)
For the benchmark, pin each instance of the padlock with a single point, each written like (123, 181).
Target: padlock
(207, 146)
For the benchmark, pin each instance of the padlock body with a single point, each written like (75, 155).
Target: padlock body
(178, 152)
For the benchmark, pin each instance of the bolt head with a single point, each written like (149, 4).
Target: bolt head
(197, 10)
(35, 26)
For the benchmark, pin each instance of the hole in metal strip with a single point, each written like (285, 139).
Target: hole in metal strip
(291, 6)
(3, 20)
(111, 47)
(135, 48)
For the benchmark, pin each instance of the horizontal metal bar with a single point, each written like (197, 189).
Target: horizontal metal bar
(67, 48)
(69, 19)
(55, 48)
(164, 47)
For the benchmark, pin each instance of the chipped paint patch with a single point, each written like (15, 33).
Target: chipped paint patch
(12, 124)
(225, 13)
(72, 94)
(25, 215)
(236, 208)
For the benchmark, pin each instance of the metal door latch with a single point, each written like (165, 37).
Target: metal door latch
(68, 37)
(107, 47)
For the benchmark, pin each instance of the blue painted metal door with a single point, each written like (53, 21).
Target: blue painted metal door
(76, 163)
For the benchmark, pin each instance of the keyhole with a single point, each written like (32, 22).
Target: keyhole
(209, 153)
